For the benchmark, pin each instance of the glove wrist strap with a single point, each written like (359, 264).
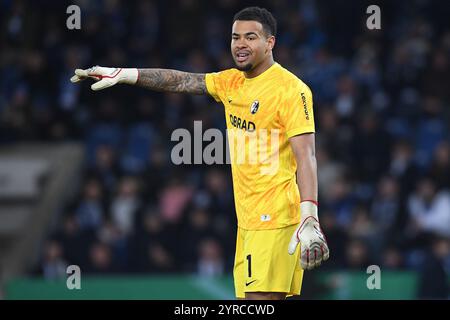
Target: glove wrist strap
(129, 75)
(307, 209)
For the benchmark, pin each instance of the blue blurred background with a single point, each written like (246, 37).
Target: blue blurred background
(86, 177)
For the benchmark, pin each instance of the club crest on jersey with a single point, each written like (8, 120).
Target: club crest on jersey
(254, 107)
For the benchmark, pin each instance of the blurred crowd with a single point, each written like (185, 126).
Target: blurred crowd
(382, 112)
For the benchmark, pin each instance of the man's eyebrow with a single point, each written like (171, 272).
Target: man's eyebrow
(246, 34)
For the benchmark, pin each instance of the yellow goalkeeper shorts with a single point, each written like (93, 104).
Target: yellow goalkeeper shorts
(263, 264)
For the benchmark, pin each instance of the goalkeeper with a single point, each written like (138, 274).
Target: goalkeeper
(279, 235)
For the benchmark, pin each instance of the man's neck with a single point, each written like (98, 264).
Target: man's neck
(263, 66)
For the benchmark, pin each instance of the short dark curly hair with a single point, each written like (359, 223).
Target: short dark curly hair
(261, 15)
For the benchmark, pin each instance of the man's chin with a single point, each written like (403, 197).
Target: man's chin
(246, 67)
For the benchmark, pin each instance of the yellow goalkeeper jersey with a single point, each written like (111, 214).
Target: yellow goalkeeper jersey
(261, 114)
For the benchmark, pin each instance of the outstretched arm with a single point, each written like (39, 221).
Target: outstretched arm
(172, 81)
(165, 80)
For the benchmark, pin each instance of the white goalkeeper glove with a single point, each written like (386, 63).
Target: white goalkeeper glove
(106, 77)
(313, 245)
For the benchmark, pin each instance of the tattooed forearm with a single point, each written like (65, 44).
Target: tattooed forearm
(172, 81)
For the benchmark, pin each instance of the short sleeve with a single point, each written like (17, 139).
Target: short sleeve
(297, 114)
(218, 82)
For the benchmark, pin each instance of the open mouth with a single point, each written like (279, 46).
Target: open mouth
(242, 56)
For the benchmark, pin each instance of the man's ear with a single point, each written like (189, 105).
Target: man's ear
(271, 42)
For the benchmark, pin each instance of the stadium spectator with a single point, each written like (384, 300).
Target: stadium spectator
(210, 262)
(125, 204)
(91, 209)
(433, 277)
(429, 209)
(53, 265)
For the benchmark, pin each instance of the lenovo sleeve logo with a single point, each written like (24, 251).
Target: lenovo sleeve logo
(305, 106)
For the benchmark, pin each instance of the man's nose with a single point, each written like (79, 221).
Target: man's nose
(240, 44)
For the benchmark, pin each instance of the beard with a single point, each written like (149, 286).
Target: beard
(245, 68)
